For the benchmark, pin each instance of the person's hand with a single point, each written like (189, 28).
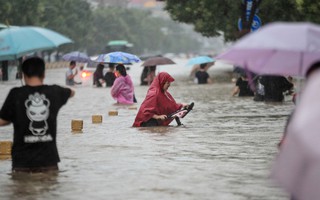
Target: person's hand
(101, 81)
(184, 105)
(160, 117)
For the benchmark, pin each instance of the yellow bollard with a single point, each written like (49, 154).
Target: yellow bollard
(96, 119)
(113, 113)
(76, 126)
(133, 108)
(5, 150)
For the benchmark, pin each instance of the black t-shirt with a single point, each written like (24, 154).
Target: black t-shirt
(244, 87)
(33, 112)
(96, 78)
(109, 77)
(202, 77)
(274, 86)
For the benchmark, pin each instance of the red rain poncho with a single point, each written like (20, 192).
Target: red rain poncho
(157, 102)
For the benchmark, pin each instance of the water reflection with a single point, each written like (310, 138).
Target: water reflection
(31, 186)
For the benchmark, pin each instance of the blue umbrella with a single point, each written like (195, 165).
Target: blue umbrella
(16, 42)
(118, 57)
(76, 56)
(200, 60)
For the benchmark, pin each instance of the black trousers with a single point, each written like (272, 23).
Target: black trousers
(150, 122)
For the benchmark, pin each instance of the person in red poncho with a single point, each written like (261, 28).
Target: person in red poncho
(158, 103)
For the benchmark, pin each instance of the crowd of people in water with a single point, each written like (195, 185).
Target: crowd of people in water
(33, 109)
(268, 88)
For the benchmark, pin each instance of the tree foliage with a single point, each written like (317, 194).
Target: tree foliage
(148, 34)
(216, 17)
(20, 12)
(69, 17)
(91, 29)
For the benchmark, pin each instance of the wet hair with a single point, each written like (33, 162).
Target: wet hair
(100, 67)
(72, 62)
(121, 69)
(111, 65)
(33, 67)
(312, 68)
(203, 65)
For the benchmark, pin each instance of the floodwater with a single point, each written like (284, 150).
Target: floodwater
(223, 151)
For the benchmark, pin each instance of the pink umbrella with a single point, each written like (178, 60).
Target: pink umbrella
(279, 48)
(297, 167)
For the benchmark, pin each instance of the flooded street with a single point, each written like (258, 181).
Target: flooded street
(223, 151)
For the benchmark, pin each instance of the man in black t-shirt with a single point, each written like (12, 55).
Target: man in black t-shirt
(202, 75)
(109, 76)
(242, 87)
(33, 110)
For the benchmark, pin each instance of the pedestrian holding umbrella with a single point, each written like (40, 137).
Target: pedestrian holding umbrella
(197, 62)
(150, 65)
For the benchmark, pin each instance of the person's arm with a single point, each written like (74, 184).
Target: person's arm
(71, 75)
(235, 91)
(209, 81)
(4, 122)
(116, 88)
(72, 93)
(159, 117)
(193, 71)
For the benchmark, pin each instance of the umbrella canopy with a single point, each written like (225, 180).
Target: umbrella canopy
(279, 48)
(158, 61)
(16, 42)
(200, 60)
(118, 57)
(76, 56)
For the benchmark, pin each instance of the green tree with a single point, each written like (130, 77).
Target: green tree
(310, 10)
(69, 17)
(22, 12)
(140, 28)
(216, 17)
(91, 29)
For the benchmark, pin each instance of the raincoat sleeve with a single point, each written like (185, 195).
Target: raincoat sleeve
(147, 109)
(116, 88)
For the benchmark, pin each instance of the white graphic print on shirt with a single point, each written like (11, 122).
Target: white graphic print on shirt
(38, 112)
